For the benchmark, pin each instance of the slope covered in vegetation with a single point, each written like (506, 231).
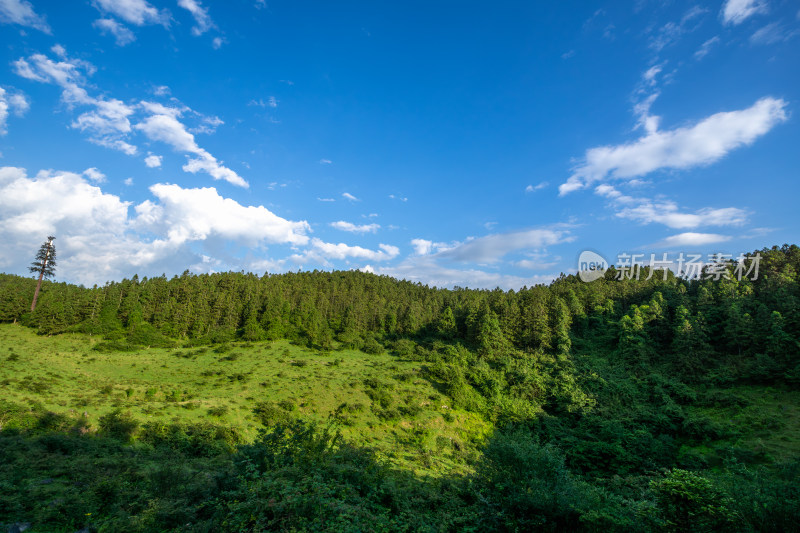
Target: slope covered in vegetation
(345, 400)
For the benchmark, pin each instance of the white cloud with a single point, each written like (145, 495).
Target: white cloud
(701, 144)
(427, 271)
(647, 121)
(90, 225)
(534, 188)
(736, 11)
(168, 129)
(772, 33)
(183, 215)
(492, 248)
(138, 12)
(22, 13)
(342, 251)
(353, 228)
(536, 263)
(650, 74)
(107, 123)
(350, 197)
(203, 22)
(11, 103)
(422, 246)
(94, 175)
(99, 239)
(692, 239)
(326, 199)
(217, 42)
(668, 213)
(208, 125)
(671, 32)
(705, 48)
(161, 90)
(153, 161)
(325, 161)
(121, 33)
(271, 102)
(128, 181)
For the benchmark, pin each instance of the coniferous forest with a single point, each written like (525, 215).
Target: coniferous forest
(346, 401)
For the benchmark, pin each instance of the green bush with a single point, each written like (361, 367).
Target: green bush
(118, 425)
(372, 346)
(522, 485)
(689, 502)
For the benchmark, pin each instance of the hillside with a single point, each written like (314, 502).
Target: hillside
(348, 401)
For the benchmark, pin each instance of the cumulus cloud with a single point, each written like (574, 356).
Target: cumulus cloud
(90, 225)
(342, 251)
(138, 12)
(120, 32)
(101, 238)
(197, 214)
(11, 103)
(354, 228)
(22, 13)
(94, 175)
(737, 11)
(492, 248)
(701, 144)
(153, 161)
(422, 246)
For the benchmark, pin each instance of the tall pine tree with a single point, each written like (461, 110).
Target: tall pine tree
(45, 265)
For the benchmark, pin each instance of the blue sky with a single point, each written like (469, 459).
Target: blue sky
(451, 143)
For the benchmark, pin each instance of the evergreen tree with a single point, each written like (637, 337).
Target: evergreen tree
(446, 326)
(45, 265)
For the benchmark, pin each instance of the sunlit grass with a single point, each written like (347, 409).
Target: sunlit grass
(407, 420)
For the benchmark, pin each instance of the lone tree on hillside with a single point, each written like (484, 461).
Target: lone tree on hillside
(45, 265)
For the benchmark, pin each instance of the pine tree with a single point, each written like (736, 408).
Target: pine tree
(45, 265)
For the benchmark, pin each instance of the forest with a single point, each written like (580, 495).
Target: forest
(650, 404)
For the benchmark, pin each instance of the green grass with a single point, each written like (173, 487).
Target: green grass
(761, 422)
(380, 401)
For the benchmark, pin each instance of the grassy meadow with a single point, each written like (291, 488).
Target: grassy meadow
(377, 400)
